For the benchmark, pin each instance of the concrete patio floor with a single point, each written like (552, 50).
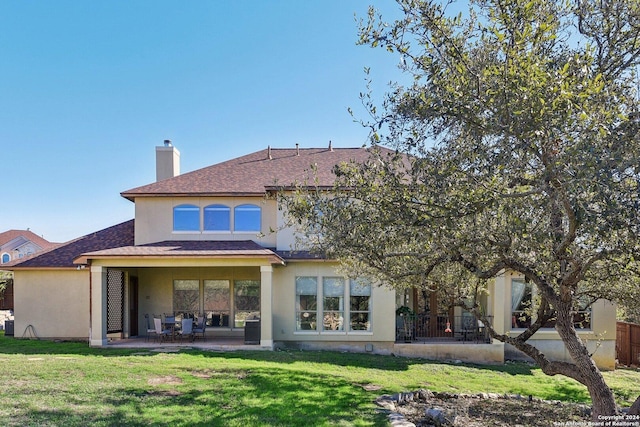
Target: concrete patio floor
(211, 344)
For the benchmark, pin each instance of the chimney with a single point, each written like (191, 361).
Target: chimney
(297, 149)
(167, 161)
(330, 146)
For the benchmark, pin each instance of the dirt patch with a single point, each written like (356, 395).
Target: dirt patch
(168, 379)
(424, 408)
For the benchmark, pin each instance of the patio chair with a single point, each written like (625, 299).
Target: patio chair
(200, 328)
(161, 334)
(187, 329)
(151, 329)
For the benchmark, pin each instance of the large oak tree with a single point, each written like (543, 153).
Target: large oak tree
(516, 149)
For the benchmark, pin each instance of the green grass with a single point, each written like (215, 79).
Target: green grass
(46, 383)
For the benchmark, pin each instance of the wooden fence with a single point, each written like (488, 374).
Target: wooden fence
(628, 344)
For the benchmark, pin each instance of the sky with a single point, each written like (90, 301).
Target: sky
(89, 89)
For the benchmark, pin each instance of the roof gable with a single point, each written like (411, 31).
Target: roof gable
(252, 173)
(22, 236)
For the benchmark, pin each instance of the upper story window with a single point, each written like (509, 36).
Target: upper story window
(247, 218)
(186, 218)
(6, 258)
(217, 218)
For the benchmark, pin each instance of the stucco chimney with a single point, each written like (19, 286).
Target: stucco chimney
(167, 161)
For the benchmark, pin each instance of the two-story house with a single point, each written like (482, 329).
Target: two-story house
(212, 242)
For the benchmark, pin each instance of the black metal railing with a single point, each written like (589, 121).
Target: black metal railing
(424, 327)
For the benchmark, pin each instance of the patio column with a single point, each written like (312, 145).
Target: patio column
(98, 302)
(266, 306)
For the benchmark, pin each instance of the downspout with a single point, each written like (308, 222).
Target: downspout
(90, 302)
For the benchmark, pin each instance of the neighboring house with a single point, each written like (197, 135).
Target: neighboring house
(210, 242)
(17, 245)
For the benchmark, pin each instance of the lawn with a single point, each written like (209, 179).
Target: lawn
(47, 383)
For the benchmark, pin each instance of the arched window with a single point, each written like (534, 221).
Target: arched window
(217, 218)
(247, 218)
(6, 258)
(186, 218)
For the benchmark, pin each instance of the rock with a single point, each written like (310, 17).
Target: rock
(436, 415)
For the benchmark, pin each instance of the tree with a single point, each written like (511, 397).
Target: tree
(517, 147)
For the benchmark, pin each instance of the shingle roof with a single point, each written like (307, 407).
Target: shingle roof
(63, 255)
(251, 174)
(188, 248)
(9, 235)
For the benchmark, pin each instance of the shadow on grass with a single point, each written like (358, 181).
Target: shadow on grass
(260, 397)
(9, 345)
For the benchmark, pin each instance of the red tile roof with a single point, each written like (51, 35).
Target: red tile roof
(62, 256)
(251, 174)
(9, 235)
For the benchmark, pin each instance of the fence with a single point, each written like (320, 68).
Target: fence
(628, 344)
(424, 327)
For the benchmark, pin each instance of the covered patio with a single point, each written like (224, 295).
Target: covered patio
(226, 282)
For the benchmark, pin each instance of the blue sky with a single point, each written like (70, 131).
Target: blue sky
(89, 89)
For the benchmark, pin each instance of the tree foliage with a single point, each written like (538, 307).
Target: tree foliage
(516, 149)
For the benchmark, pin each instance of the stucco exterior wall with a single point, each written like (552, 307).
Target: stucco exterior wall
(54, 302)
(154, 219)
(284, 303)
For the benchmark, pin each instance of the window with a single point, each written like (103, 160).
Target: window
(247, 218)
(217, 218)
(360, 306)
(333, 304)
(186, 296)
(246, 301)
(581, 316)
(520, 304)
(186, 218)
(521, 307)
(306, 303)
(6, 258)
(217, 302)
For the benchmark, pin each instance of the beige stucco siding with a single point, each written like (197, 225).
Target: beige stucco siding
(284, 302)
(54, 302)
(154, 219)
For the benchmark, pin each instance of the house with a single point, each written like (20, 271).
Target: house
(16, 245)
(210, 242)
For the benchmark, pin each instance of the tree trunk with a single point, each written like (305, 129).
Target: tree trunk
(635, 408)
(601, 395)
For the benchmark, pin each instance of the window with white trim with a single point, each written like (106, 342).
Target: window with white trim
(359, 305)
(333, 303)
(186, 218)
(6, 258)
(523, 305)
(306, 303)
(520, 304)
(247, 218)
(217, 218)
